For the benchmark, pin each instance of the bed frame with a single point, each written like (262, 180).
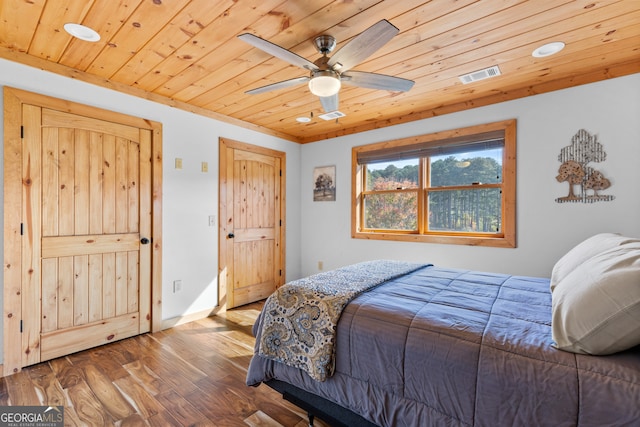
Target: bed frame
(316, 406)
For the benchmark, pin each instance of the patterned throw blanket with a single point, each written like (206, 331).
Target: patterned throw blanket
(300, 318)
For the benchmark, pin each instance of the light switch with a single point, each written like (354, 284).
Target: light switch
(205, 167)
(178, 163)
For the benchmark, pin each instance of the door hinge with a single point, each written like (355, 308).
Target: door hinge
(21, 132)
(20, 326)
(22, 228)
(280, 272)
(280, 172)
(280, 223)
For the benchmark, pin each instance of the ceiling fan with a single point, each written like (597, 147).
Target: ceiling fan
(328, 73)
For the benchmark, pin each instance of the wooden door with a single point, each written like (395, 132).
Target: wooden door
(86, 275)
(251, 222)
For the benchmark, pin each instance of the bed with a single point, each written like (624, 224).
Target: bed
(434, 346)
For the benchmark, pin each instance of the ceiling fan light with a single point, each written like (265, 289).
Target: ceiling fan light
(324, 83)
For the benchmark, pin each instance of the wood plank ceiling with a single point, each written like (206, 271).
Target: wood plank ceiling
(187, 54)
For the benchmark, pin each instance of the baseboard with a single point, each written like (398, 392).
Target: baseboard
(191, 317)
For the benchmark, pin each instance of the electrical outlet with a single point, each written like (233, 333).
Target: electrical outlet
(320, 265)
(178, 163)
(177, 286)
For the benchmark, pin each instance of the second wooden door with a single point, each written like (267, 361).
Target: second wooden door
(251, 249)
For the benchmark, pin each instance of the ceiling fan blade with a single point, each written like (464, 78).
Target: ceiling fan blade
(329, 103)
(280, 85)
(362, 46)
(278, 51)
(376, 81)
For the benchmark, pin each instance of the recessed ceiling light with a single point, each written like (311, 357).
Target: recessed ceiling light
(303, 119)
(82, 32)
(548, 49)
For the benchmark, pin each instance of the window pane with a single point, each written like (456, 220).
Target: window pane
(484, 167)
(472, 211)
(391, 211)
(392, 175)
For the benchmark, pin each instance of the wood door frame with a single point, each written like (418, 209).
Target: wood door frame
(12, 310)
(225, 228)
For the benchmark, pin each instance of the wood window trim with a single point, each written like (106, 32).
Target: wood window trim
(506, 240)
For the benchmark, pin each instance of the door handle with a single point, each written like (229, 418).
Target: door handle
(231, 235)
(144, 241)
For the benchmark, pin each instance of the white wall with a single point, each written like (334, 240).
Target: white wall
(190, 250)
(545, 229)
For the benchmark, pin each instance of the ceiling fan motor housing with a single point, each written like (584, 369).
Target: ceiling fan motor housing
(325, 44)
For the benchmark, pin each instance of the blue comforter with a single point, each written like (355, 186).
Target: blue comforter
(461, 348)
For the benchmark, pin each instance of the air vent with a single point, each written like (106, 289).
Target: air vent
(480, 75)
(332, 115)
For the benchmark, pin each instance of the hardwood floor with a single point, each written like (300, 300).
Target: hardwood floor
(189, 375)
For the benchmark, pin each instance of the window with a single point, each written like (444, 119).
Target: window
(448, 187)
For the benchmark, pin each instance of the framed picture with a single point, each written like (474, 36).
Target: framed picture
(324, 184)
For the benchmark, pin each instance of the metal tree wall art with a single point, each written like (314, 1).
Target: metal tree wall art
(574, 170)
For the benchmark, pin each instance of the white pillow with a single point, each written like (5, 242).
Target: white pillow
(584, 251)
(596, 306)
